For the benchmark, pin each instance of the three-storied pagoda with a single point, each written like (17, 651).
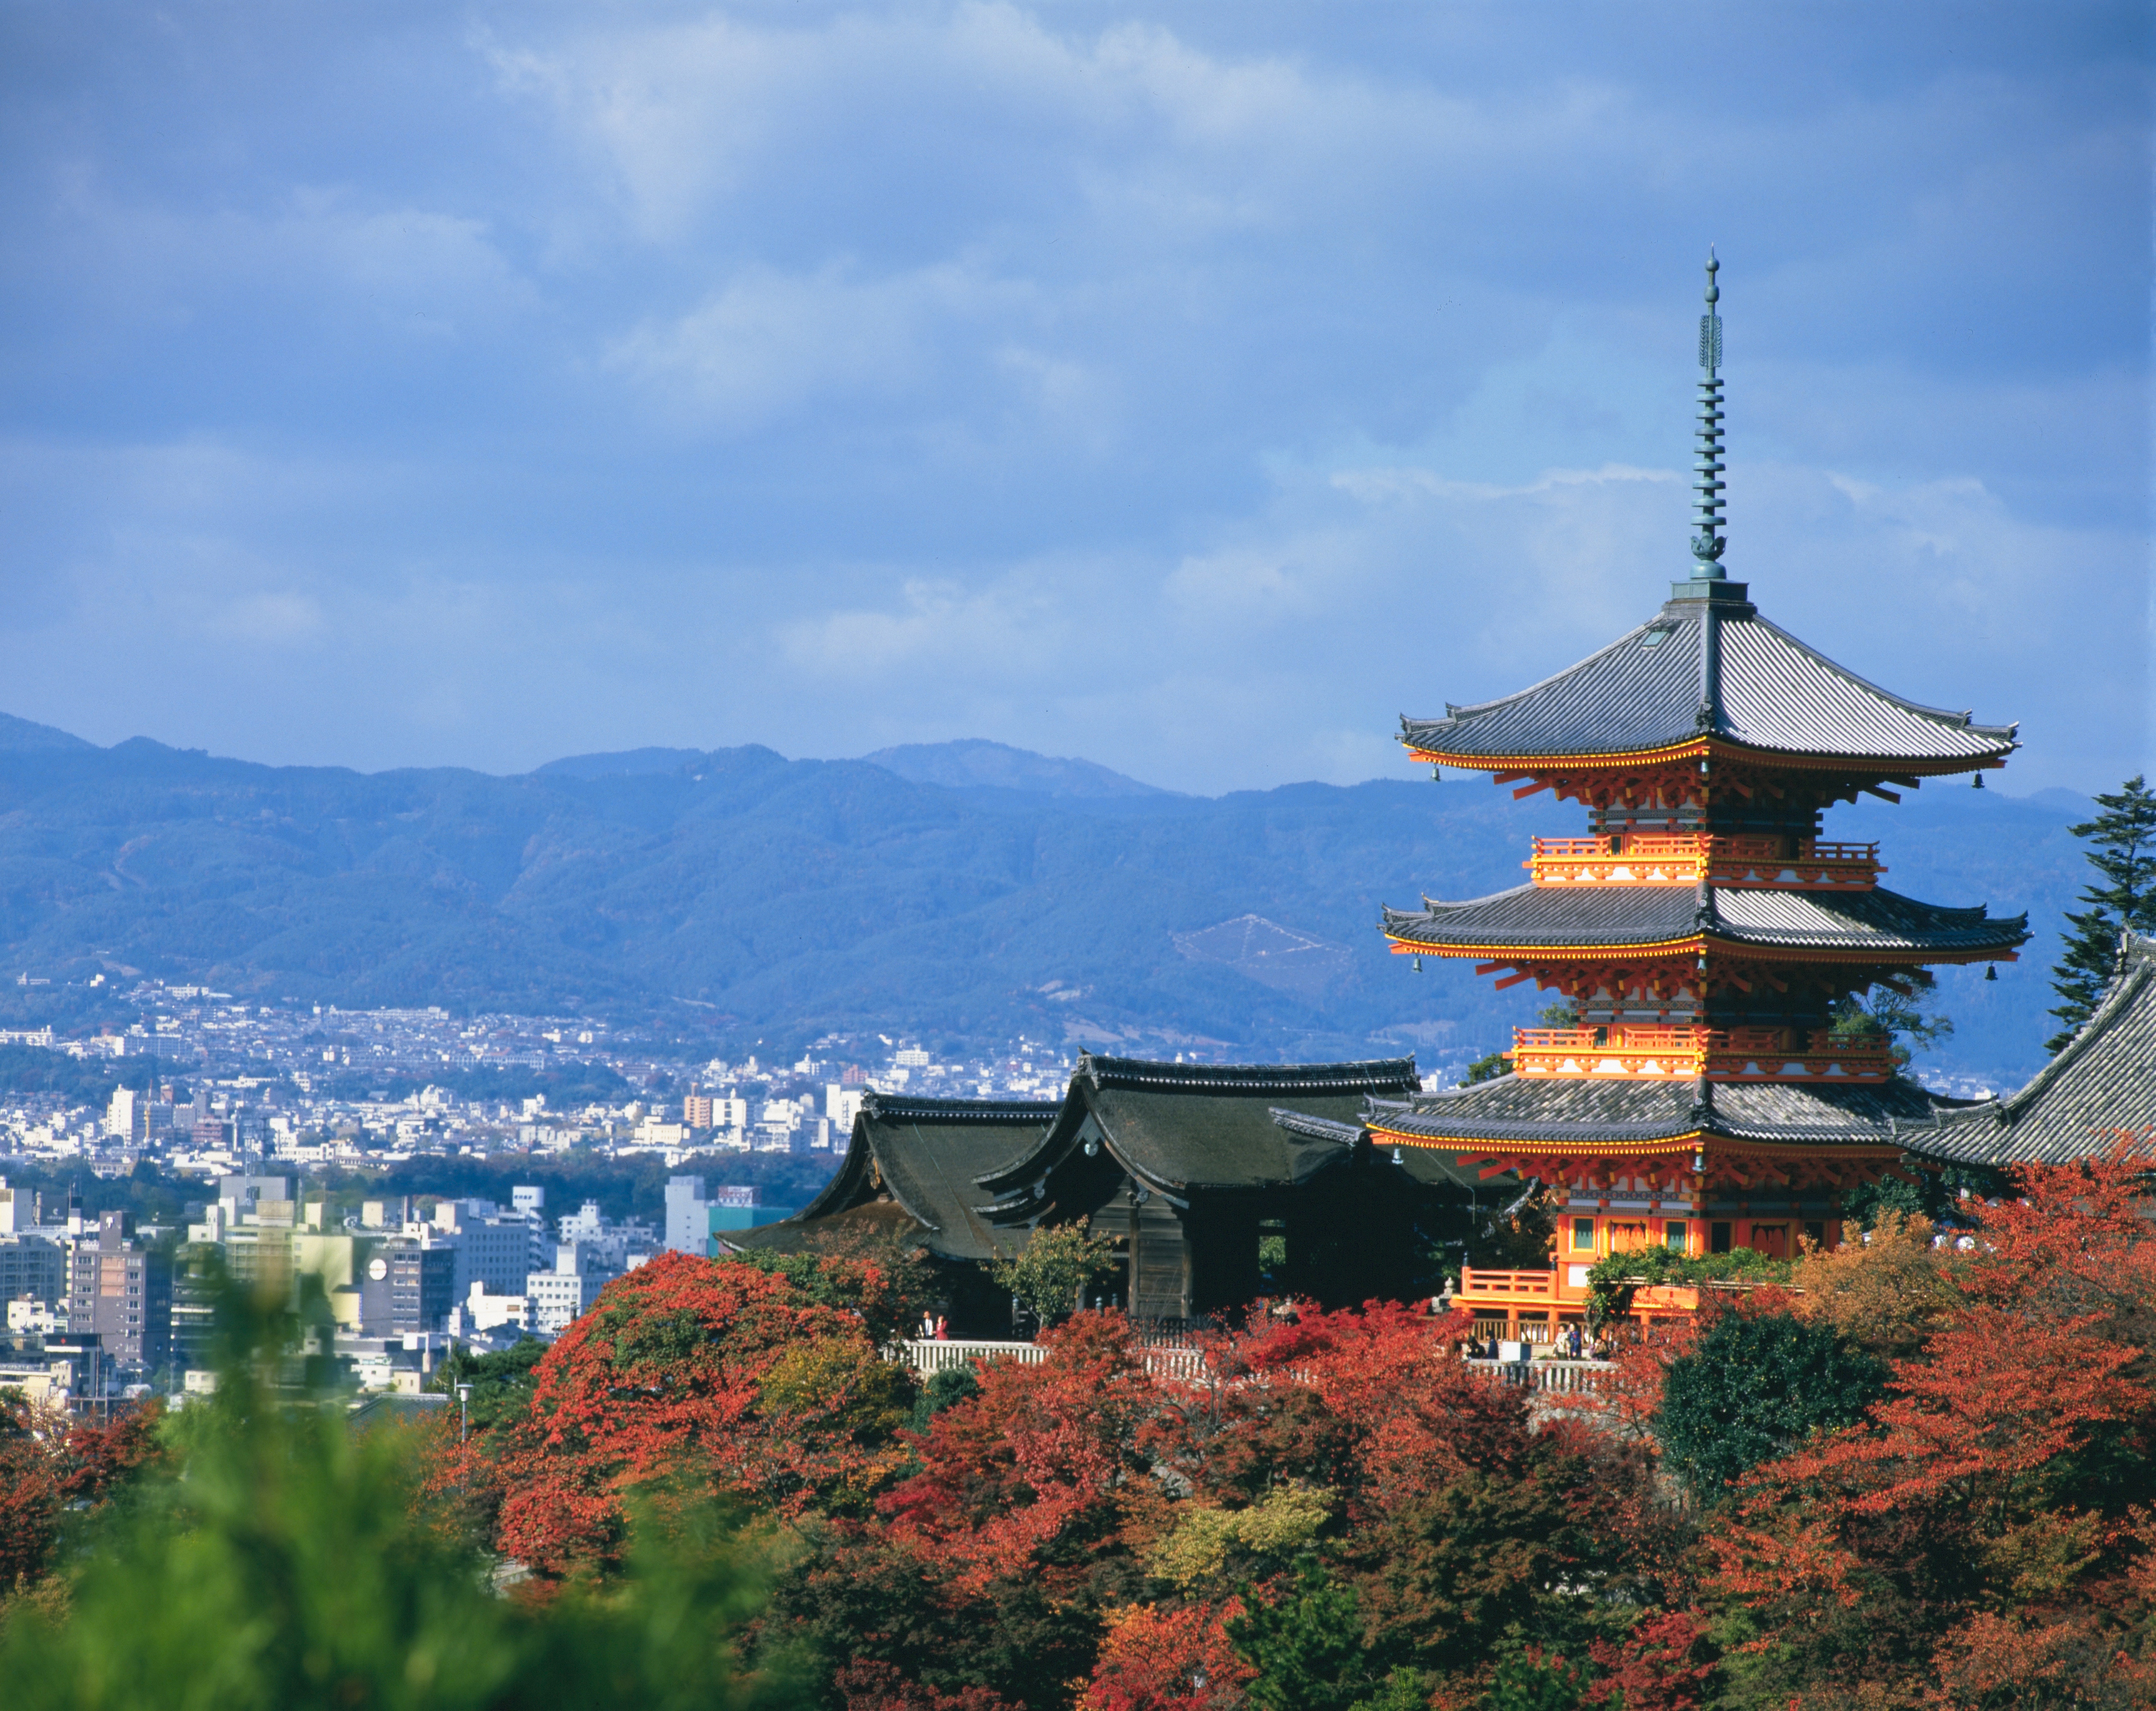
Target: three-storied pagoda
(1703, 930)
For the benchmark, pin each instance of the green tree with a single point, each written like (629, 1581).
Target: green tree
(1897, 1018)
(1307, 1644)
(1487, 1069)
(1933, 1194)
(501, 1383)
(2122, 849)
(1562, 1014)
(1533, 1680)
(1749, 1389)
(285, 1557)
(952, 1385)
(1052, 1273)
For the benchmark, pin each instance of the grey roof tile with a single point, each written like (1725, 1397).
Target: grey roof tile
(1424, 1165)
(1759, 686)
(930, 1151)
(1205, 1126)
(1878, 920)
(1510, 1110)
(2103, 1081)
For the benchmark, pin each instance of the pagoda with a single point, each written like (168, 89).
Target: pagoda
(1701, 931)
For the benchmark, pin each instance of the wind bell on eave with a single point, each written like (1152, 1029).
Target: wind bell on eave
(1707, 540)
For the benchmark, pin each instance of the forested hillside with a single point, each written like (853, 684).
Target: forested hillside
(755, 894)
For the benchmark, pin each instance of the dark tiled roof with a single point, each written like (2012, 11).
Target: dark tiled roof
(1878, 920)
(1243, 1080)
(1184, 1127)
(1510, 1110)
(881, 1220)
(1718, 669)
(2103, 1080)
(929, 1152)
(1424, 1165)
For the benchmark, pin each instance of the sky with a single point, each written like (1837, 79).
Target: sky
(1193, 388)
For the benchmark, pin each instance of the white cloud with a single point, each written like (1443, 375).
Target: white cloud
(278, 618)
(768, 343)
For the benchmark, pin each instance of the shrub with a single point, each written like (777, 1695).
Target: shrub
(1751, 1388)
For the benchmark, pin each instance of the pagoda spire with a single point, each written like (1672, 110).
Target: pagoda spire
(1707, 484)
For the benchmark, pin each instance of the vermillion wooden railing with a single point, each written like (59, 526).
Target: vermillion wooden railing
(1755, 862)
(1682, 1054)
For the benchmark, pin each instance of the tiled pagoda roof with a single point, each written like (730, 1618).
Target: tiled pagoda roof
(1709, 667)
(2103, 1080)
(1510, 1111)
(1531, 917)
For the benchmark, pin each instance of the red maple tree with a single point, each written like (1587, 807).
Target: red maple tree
(690, 1378)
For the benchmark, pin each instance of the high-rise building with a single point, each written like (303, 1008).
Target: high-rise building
(127, 1114)
(567, 1292)
(496, 1249)
(688, 1217)
(194, 1307)
(123, 1292)
(20, 1209)
(841, 1105)
(1714, 1086)
(411, 1285)
(34, 1266)
(423, 1284)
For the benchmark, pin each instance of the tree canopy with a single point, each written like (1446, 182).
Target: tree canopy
(2121, 848)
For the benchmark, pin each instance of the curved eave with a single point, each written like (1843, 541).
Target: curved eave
(1028, 1203)
(1490, 1150)
(1402, 945)
(1672, 950)
(832, 1196)
(1884, 766)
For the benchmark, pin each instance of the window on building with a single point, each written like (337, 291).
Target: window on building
(1815, 1231)
(1674, 1232)
(1718, 1238)
(1772, 1240)
(1583, 1235)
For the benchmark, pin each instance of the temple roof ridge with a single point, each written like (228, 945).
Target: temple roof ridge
(2101, 1080)
(900, 1108)
(1104, 1071)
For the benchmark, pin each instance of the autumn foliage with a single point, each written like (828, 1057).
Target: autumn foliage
(1921, 1477)
(688, 1380)
(55, 1466)
(1962, 1516)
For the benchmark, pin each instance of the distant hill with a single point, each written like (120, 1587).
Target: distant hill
(973, 762)
(626, 764)
(21, 735)
(753, 896)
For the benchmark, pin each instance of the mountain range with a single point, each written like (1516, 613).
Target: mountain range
(956, 892)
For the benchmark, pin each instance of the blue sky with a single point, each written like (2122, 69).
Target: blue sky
(1193, 388)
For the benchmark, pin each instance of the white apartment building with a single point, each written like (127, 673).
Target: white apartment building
(565, 1293)
(841, 1105)
(484, 1314)
(127, 1115)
